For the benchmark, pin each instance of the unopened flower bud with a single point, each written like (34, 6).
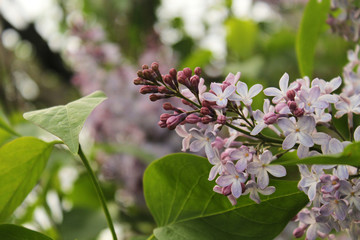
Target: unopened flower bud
(140, 74)
(270, 118)
(197, 71)
(187, 72)
(292, 105)
(206, 104)
(173, 73)
(298, 112)
(226, 190)
(148, 89)
(162, 124)
(173, 121)
(139, 81)
(155, 66)
(168, 106)
(155, 97)
(206, 119)
(163, 89)
(145, 67)
(290, 94)
(149, 74)
(299, 232)
(195, 81)
(169, 80)
(205, 111)
(221, 119)
(186, 102)
(193, 118)
(165, 116)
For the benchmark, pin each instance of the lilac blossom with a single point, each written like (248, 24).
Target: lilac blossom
(243, 94)
(280, 94)
(203, 140)
(219, 96)
(253, 190)
(234, 178)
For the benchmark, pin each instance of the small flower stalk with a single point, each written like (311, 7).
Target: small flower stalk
(221, 123)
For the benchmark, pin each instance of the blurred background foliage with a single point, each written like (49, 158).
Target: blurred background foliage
(54, 51)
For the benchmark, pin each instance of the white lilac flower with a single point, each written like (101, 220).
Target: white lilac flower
(334, 206)
(327, 87)
(243, 155)
(309, 99)
(260, 117)
(218, 167)
(335, 146)
(234, 178)
(347, 105)
(243, 94)
(297, 132)
(280, 94)
(262, 167)
(219, 96)
(357, 134)
(321, 116)
(231, 79)
(309, 180)
(351, 193)
(203, 140)
(254, 190)
(314, 226)
(181, 131)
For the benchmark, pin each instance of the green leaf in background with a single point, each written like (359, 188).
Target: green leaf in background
(312, 23)
(21, 164)
(350, 156)
(14, 232)
(4, 126)
(241, 36)
(184, 205)
(67, 121)
(199, 58)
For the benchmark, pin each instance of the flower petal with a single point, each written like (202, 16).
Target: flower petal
(276, 170)
(224, 181)
(289, 141)
(305, 139)
(255, 90)
(284, 82)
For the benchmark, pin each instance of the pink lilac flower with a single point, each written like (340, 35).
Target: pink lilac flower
(351, 192)
(218, 168)
(263, 118)
(357, 134)
(297, 132)
(243, 94)
(309, 180)
(309, 99)
(262, 167)
(234, 178)
(181, 131)
(219, 96)
(314, 225)
(335, 206)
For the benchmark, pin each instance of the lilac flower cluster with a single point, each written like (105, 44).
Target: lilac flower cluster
(241, 159)
(347, 20)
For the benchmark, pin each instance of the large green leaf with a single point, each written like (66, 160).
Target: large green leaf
(14, 232)
(184, 205)
(313, 21)
(350, 156)
(67, 121)
(21, 164)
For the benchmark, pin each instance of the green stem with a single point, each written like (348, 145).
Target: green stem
(98, 191)
(151, 237)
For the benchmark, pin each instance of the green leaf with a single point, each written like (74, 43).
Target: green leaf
(241, 36)
(4, 126)
(199, 58)
(21, 164)
(313, 20)
(350, 156)
(67, 121)
(184, 205)
(14, 232)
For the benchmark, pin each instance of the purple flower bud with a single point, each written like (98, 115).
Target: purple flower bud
(155, 97)
(299, 232)
(168, 106)
(162, 124)
(195, 81)
(186, 102)
(140, 74)
(226, 190)
(193, 118)
(187, 72)
(173, 121)
(206, 119)
(165, 116)
(155, 66)
(205, 111)
(197, 71)
(298, 112)
(221, 119)
(173, 73)
(149, 74)
(163, 89)
(148, 89)
(139, 81)
(145, 67)
(292, 105)
(270, 118)
(290, 94)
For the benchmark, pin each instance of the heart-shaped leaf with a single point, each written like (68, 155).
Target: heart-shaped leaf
(67, 121)
(350, 156)
(21, 164)
(14, 232)
(313, 21)
(184, 205)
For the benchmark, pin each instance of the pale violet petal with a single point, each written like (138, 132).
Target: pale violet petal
(214, 171)
(197, 145)
(255, 90)
(267, 191)
(335, 146)
(224, 181)
(271, 91)
(286, 124)
(258, 128)
(236, 189)
(284, 82)
(262, 179)
(276, 170)
(210, 97)
(357, 134)
(228, 91)
(289, 141)
(242, 89)
(305, 139)
(216, 88)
